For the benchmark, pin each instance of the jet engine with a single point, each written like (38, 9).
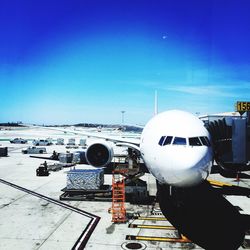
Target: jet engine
(99, 154)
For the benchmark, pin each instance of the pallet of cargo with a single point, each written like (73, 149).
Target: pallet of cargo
(102, 194)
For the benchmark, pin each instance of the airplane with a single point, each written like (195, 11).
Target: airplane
(176, 148)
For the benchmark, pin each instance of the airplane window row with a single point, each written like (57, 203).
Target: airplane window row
(192, 141)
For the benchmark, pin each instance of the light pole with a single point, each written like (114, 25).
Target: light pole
(123, 116)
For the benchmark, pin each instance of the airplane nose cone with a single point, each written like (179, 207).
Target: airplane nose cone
(187, 168)
(193, 167)
(193, 156)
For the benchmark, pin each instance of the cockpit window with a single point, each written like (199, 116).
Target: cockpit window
(205, 141)
(194, 141)
(179, 141)
(165, 140)
(168, 140)
(161, 140)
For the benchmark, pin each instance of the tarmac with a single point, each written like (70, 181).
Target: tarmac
(33, 217)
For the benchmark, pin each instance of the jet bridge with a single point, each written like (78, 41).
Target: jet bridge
(231, 141)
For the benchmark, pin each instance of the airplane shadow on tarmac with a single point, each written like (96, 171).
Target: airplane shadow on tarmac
(204, 216)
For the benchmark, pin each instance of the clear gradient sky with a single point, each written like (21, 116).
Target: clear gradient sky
(85, 61)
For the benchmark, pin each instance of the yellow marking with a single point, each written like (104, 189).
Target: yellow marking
(154, 227)
(149, 238)
(185, 238)
(219, 183)
(151, 218)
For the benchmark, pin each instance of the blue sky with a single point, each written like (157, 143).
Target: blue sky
(85, 61)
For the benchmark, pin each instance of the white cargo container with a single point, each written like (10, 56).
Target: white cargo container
(71, 141)
(60, 141)
(86, 179)
(82, 142)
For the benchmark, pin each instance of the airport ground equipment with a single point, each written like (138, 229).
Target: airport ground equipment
(55, 166)
(42, 170)
(72, 146)
(54, 156)
(71, 141)
(65, 157)
(18, 141)
(79, 157)
(86, 179)
(59, 141)
(45, 168)
(86, 184)
(82, 185)
(118, 196)
(34, 150)
(104, 193)
(136, 191)
(42, 142)
(3, 151)
(82, 142)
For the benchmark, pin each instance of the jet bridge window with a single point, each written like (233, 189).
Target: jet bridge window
(194, 141)
(179, 141)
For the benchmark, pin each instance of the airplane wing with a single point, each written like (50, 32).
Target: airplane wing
(132, 140)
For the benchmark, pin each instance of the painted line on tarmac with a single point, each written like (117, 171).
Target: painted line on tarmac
(87, 232)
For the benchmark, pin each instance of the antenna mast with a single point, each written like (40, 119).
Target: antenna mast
(156, 103)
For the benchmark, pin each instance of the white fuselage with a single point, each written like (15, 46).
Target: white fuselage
(175, 147)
